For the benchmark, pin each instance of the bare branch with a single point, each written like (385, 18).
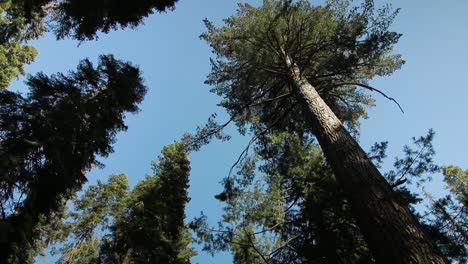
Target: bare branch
(368, 87)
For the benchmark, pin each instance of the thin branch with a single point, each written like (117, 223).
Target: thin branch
(252, 243)
(291, 205)
(270, 228)
(285, 244)
(341, 99)
(272, 99)
(252, 246)
(272, 71)
(374, 90)
(241, 110)
(246, 149)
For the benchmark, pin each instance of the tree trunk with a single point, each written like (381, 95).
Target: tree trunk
(391, 231)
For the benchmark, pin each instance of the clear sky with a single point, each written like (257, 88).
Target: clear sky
(431, 87)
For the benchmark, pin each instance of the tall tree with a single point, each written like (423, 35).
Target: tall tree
(283, 206)
(95, 209)
(52, 136)
(110, 224)
(449, 215)
(296, 67)
(457, 181)
(151, 228)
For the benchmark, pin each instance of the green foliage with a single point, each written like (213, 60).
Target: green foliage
(23, 20)
(94, 209)
(295, 212)
(151, 228)
(15, 31)
(448, 224)
(283, 205)
(51, 137)
(337, 47)
(457, 181)
(144, 225)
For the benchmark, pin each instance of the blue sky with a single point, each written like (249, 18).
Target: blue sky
(431, 87)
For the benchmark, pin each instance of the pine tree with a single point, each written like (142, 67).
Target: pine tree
(296, 67)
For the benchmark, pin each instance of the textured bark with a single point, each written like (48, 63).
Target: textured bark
(391, 231)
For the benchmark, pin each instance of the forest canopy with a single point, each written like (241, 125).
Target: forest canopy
(296, 79)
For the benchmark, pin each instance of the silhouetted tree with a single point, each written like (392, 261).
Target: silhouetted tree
(83, 19)
(52, 136)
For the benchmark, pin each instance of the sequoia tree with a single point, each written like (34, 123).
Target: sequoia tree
(296, 67)
(52, 136)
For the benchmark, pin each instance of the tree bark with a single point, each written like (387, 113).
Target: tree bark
(392, 232)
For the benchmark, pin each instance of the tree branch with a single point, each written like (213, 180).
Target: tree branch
(368, 87)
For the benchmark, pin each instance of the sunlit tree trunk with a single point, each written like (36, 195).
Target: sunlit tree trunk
(391, 231)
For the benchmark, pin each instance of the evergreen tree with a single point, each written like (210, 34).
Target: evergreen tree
(94, 210)
(457, 181)
(296, 67)
(152, 229)
(284, 206)
(54, 134)
(144, 225)
(51, 137)
(23, 20)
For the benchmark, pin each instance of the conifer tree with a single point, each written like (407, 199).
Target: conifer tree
(292, 66)
(151, 228)
(283, 205)
(109, 223)
(52, 136)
